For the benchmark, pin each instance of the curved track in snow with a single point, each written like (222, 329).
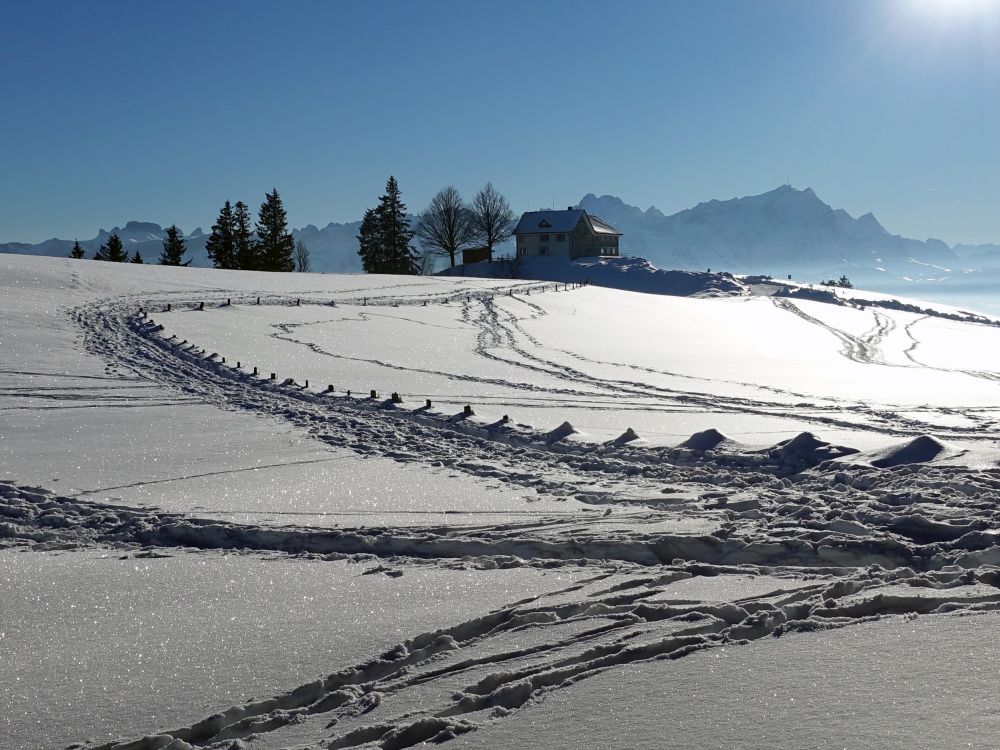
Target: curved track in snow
(804, 546)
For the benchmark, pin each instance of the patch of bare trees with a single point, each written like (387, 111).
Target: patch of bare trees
(449, 225)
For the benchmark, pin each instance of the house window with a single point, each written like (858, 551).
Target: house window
(560, 238)
(543, 238)
(543, 250)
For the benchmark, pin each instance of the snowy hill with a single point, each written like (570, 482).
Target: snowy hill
(242, 509)
(628, 274)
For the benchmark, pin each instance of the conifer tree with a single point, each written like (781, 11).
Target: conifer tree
(77, 251)
(220, 246)
(275, 244)
(136, 258)
(173, 248)
(247, 251)
(112, 251)
(370, 244)
(395, 231)
(385, 234)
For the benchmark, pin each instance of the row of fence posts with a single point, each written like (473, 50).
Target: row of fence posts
(373, 394)
(364, 300)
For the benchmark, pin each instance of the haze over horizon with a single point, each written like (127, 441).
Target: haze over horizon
(123, 111)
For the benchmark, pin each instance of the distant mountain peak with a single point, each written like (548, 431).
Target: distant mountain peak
(785, 229)
(143, 226)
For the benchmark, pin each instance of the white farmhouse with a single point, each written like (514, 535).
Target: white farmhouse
(569, 234)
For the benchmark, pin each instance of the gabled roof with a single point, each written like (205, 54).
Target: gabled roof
(562, 222)
(535, 222)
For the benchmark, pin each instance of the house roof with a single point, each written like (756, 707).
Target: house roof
(602, 227)
(534, 222)
(539, 222)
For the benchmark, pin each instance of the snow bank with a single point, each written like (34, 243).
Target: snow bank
(629, 274)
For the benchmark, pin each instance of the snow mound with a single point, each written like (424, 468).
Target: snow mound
(705, 441)
(919, 450)
(806, 450)
(629, 274)
(626, 437)
(559, 433)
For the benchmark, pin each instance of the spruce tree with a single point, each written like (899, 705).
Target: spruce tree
(173, 248)
(112, 251)
(275, 244)
(370, 244)
(136, 258)
(220, 246)
(246, 249)
(385, 236)
(395, 231)
(77, 251)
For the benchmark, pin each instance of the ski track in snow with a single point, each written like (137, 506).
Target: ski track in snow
(439, 684)
(839, 543)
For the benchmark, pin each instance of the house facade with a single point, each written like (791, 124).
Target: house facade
(568, 234)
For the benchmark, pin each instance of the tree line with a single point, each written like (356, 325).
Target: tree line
(269, 246)
(448, 226)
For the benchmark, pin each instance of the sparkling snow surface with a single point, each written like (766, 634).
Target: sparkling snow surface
(779, 552)
(98, 647)
(759, 369)
(927, 683)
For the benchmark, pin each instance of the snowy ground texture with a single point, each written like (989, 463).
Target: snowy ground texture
(591, 518)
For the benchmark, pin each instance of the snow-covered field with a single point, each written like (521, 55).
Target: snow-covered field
(644, 491)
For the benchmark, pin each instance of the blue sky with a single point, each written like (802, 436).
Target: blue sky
(161, 111)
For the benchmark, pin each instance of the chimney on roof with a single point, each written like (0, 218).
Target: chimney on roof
(569, 208)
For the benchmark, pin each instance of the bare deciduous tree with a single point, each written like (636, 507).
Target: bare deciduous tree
(446, 226)
(492, 218)
(302, 257)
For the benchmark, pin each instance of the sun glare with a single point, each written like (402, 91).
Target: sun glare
(954, 10)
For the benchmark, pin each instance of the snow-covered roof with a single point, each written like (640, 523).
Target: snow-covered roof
(534, 222)
(540, 222)
(600, 226)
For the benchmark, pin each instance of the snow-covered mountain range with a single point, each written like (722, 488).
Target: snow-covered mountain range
(783, 231)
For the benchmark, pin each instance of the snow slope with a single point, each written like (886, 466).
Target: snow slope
(793, 466)
(109, 645)
(878, 684)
